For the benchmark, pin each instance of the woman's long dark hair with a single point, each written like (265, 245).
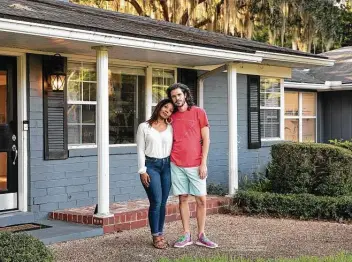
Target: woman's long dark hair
(185, 90)
(157, 109)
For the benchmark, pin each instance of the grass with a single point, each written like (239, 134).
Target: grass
(342, 257)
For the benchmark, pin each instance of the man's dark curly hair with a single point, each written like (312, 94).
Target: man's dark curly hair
(186, 91)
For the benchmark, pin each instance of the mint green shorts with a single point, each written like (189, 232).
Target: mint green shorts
(186, 181)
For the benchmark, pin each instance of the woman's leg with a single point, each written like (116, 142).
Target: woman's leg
(154, 193)
(165, 177)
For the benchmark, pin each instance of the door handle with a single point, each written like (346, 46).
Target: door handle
(14, 149)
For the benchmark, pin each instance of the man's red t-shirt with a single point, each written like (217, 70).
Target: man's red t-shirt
(187, 149)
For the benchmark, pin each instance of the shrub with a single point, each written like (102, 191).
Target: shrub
(342, 143)
(216, 189)
(302, 206)
(318, 169)
(19, 247)
(257, 182)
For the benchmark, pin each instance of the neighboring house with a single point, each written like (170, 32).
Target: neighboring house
(318, 101)
(68, 121)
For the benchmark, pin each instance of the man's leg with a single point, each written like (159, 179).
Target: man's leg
(184, 212)
(201, 213)
(198, 188)
(180, 187)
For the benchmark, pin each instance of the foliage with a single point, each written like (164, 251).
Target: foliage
(342, 143)
(341, 257)
(302, 206)
(257, 182)
(318, 169)
(307, 25)
(19, 247)
(216, 189)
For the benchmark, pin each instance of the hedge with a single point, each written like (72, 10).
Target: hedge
(312, 168)
(302, 206)
(20, 247)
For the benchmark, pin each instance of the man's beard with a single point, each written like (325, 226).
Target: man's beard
(180, 105)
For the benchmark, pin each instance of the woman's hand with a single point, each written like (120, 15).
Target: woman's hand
(145, 178)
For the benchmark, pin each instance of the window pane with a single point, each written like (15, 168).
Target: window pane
(291, 104)
(308, 130)
(73, 71)
(162, 79)
(291, 130)
(270, 123)
(88, 72)
(270, 99)
(74, 134)
(88, 134)
(270, 92)
(74, 91)
(122, 105)
(309, 104)
(88, 114)
(89, 91)
(3, 171)
(74, 114)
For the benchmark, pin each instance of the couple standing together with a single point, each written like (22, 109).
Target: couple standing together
(172, 149)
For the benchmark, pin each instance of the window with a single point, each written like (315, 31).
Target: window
(300, 116)
(126, 103)
(81, 100)
(125, 106)
(162, 79)
(270, 108)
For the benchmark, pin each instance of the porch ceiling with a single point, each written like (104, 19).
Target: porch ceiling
(35, 43)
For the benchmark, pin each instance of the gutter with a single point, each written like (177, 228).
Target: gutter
(327, 86)
(104, 39)
(304, 60)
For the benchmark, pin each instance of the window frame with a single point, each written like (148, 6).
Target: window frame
(151, 82)
(81, 102)
(148, 68)
(282, 112)
(300, 116)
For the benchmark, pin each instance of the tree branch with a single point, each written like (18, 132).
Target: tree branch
(165, 9)
(202, 23)
(136, 6)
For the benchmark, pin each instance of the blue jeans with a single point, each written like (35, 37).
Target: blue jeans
(158, 192)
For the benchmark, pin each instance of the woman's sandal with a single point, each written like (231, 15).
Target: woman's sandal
(159, 242)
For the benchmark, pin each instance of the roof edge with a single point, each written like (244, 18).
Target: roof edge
(105, 39)
(302, 60)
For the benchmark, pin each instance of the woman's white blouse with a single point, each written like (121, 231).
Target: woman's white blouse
(152, 143)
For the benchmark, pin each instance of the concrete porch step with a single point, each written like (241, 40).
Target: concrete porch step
(133, 214)
(61, 231)
(15, 217)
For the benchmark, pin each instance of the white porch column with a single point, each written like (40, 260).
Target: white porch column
(103, 130)
(232, 119)
(148, 92)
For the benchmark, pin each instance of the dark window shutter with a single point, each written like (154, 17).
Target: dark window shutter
(55, 118)
(189, 78)
(254, 134)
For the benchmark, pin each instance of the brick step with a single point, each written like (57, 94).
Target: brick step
(133, 214)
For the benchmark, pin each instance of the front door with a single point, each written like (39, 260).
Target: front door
(8, 134)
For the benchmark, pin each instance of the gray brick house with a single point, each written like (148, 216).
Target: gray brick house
(76, 81)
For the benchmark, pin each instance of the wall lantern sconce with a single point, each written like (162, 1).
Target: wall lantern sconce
(56, 74)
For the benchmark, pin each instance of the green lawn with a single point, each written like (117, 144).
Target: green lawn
(338, 258)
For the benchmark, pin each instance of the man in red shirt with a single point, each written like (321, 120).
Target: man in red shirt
(189, 160)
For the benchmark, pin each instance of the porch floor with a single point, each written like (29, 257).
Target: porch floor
(133, 214)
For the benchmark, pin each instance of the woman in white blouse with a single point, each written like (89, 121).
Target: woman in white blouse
(154, 142)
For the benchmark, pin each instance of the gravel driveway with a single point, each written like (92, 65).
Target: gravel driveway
(236, 235)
